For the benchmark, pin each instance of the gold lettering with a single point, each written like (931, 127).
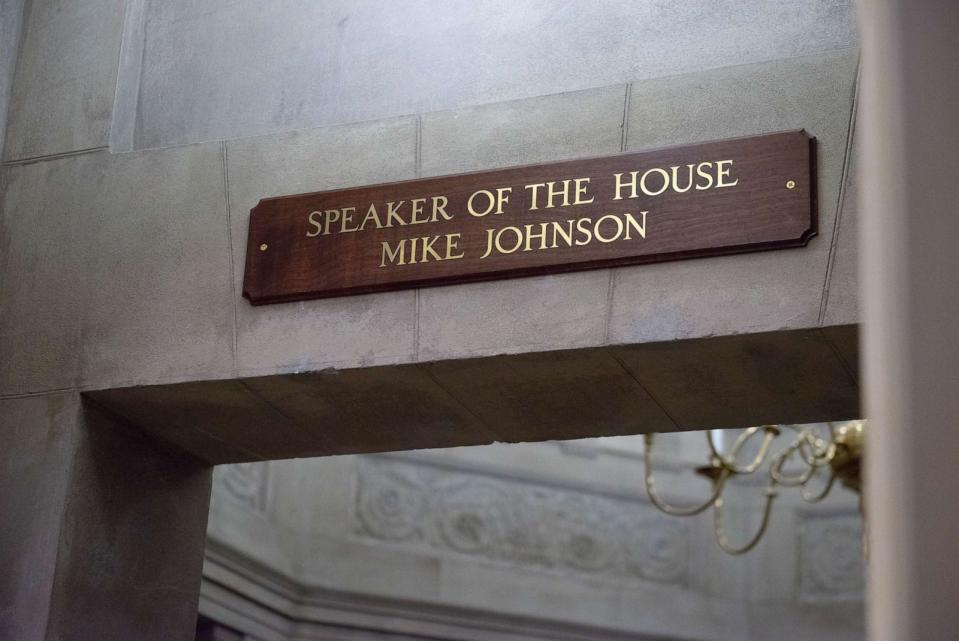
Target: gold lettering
(620, 184)
(489, 243)
(502, 197)
(393, 254)
(631, 222)
(530, 236)
(371, 215)
(722, 172)
(393, 213)
(413, 242)
(331, 215)
(451, 241)
(689, 183)
(553, 193)
(534, 194)
(704, 174)
(497, 202)
(567, 234)
(598, 226)
(313, 221)
(439, 207)
(642, 181)
(519, 239)
(428, 248)
(581, 191)
(486, 194)
(346, 218)
(584, 230)
(416, 208)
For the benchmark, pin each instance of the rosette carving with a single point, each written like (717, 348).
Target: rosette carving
(391, 505)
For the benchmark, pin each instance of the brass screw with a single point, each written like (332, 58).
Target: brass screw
(790, 184)
(263, 247)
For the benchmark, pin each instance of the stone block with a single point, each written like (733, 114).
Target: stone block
(38, 439)
(215, 421)
(737, 381)
(262, 70)
(744, 293)
(845, 340)
(534, 130)
(355, 411)
(515, 315)
(63, 90)
(351, 331)
(131, 539)
(130, 66)
(791, 377)
(552, 395)
(287, 416)
(156, 265)
(528, 314)
(103, 528)
(42, 236)
(116, 270)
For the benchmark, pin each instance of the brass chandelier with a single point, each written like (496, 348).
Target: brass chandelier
(835, 451)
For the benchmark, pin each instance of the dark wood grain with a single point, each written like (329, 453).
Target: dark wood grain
(758, 213)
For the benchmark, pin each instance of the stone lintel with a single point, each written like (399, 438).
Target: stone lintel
(789, 376)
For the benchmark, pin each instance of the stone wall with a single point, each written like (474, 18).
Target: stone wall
(142, 252)
(532, 541)
(122, 269)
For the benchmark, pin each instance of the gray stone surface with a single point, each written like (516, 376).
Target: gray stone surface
(157, 268)
(131, 539)
(315, 334)
(513, 316)
(732, 381)
(534, 130)
(552, 395)
(531, 542)
(223, 69)
(11, 14)
(102, 533)
(42, 285)
(754, 292)
(38, 440)
(528, 314)
(124, 121)
(64, 85)
(116, 270)
(842, 290)
(117, 267)
(749, 379)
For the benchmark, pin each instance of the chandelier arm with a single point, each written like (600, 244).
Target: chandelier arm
(820, 454)
(729, 462)
(723, 540)
(807, 434)
(815, 498)
(674, 510)
(776, 468)
(769, 433)
(714, 451)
